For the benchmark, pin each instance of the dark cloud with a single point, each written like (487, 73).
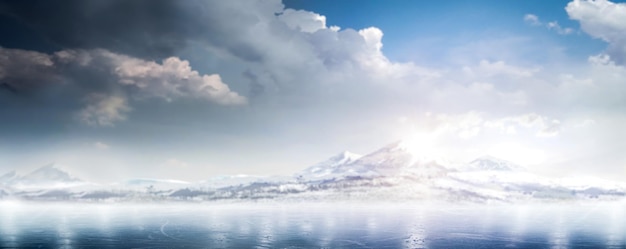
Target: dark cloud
(142, 28)
(148, 29)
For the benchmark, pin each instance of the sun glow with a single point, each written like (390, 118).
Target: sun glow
(422, 146)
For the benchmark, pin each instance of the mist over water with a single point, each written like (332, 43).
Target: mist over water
(311, 225)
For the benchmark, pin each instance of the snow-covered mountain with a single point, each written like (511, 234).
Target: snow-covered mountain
(334, 167)
(394, 159)
(490, 163)
(151, 184)
(48, 176)
(48, 173)
(393, 172)
(226, 181)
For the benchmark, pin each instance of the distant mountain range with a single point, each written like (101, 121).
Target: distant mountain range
(45, 177)
(390, 173)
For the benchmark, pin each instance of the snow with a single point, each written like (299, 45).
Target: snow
(338, 166)
(230, 180)
(46, 177)
(491, 163)
(390, 173)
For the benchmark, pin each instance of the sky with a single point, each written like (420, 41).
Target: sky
(115, 89)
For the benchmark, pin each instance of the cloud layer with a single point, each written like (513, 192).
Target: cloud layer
(254, 73)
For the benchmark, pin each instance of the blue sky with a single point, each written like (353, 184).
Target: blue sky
(411, 25)
(190, 90)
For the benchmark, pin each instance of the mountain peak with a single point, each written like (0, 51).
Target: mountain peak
(492, 163)
(49, 173)
(331, 166)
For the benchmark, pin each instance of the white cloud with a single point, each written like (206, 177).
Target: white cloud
(173, 78)
(598, 86)
(542, 126)
(489, 69)
(104, 110)
(470, 124)
(532, 19)
(294, 49)
(302, 20)
(553, 25)
(602, 19)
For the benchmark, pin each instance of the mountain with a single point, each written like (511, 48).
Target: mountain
(48, 176)
(489, 163)
(331, 168)
(396, 159)
(151, 184)
(393, 160)
(395, 172)
(218, 182)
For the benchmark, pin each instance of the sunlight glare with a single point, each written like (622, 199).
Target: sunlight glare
(422, 146)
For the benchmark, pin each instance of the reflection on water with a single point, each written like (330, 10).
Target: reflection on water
(211, 225)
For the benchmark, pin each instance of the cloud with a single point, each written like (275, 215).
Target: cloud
(173, 78)
(489, 69)
(104, 110)
(553, 25)
(604, 20)
(251, 36)
(101, 75)
(470, 124)
(532, 19)
(25, 70)
(302, 20)
(146, 29)
(598, 86)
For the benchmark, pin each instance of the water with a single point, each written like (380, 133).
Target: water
(305, 225)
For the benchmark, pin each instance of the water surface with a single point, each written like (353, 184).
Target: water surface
(307, 225)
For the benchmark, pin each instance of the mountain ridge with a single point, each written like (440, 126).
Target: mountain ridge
(389, 173)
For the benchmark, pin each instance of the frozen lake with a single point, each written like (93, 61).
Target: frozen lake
(306, 225)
